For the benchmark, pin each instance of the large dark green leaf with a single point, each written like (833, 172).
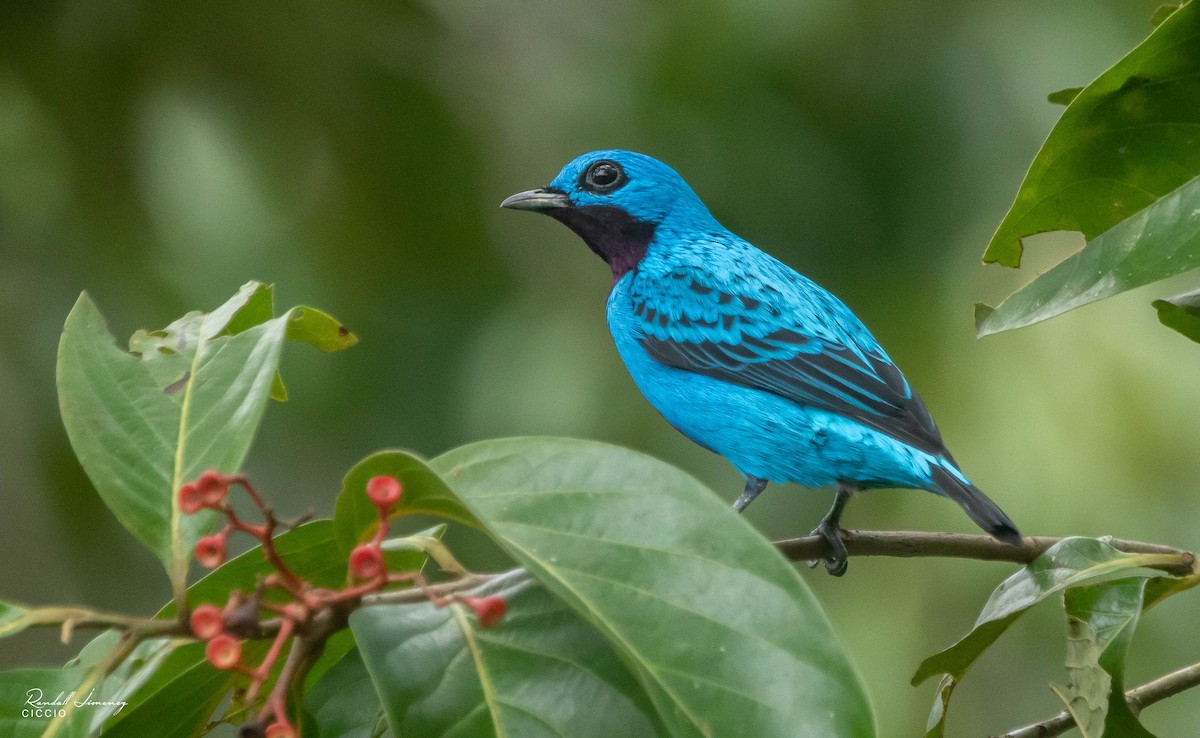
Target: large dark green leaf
(343, 702)
(188, 398)
(1072, 562)
(543, 671)
(717, 627)
(1161, 241)
(1101, 620)
(1126, 141)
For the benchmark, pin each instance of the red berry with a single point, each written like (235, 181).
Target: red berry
(384, 490)
(280, 730)
(488, 610)
(207, 621)
(212, 486)
(366, 562)
(224, 652)
(210, 551)
(190, 499)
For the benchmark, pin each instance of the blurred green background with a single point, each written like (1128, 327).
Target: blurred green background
(159, 155)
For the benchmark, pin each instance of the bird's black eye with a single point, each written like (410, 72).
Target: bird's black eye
(603, 177)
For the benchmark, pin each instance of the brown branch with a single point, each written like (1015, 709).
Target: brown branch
(900, 543)
(1138, 698)
(904, 543)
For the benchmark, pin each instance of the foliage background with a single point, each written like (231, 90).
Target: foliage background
(160, 156)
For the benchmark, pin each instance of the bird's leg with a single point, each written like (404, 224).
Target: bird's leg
(830, 529)
(754, 486)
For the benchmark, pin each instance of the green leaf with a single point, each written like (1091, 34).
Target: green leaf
(646, 553)
(1158, 590)
(13, 619)
(1161, 241)
(1101, 620)
(185, 399)
(1181, 313)
(20, 686)
(1064, 97)
(83, 698)
(319, 330)
(424, 493)
(1072, 562)
(542, 671)
(118, 688)
(1161, 13)
(935, 726)
(343, 702)
(181, 698)
(1126, 141)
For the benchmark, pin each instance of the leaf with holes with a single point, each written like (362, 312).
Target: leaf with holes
(1159, 242)
(1125, 142)
(1101, 620)
(1072, 562)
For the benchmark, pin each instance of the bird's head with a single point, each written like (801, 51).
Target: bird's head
(614, 200)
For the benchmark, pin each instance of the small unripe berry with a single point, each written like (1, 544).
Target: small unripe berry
(488, 610)
(366, 561)
(280, 730)
(224, 652)
(210, 551)
(212, 487)
(384, 491)
(207, 621)
(190, 499)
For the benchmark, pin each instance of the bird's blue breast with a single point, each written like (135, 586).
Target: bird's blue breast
(762, 433)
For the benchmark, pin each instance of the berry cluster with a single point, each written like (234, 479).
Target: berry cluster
(309, 614)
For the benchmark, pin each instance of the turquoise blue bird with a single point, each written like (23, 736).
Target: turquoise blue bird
(745, 356)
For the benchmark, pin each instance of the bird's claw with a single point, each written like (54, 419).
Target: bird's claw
(836, 560)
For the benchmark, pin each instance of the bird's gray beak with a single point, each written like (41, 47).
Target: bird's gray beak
(537, 200)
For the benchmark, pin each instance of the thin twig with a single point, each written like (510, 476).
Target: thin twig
(905, 543)
(70, 619)
(430, 592)
(1138, 698)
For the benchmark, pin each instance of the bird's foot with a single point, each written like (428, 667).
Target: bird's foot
(836, 560)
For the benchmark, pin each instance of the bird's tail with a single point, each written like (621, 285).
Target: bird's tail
(983, 511)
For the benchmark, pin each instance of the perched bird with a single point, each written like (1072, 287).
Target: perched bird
(743, 355)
